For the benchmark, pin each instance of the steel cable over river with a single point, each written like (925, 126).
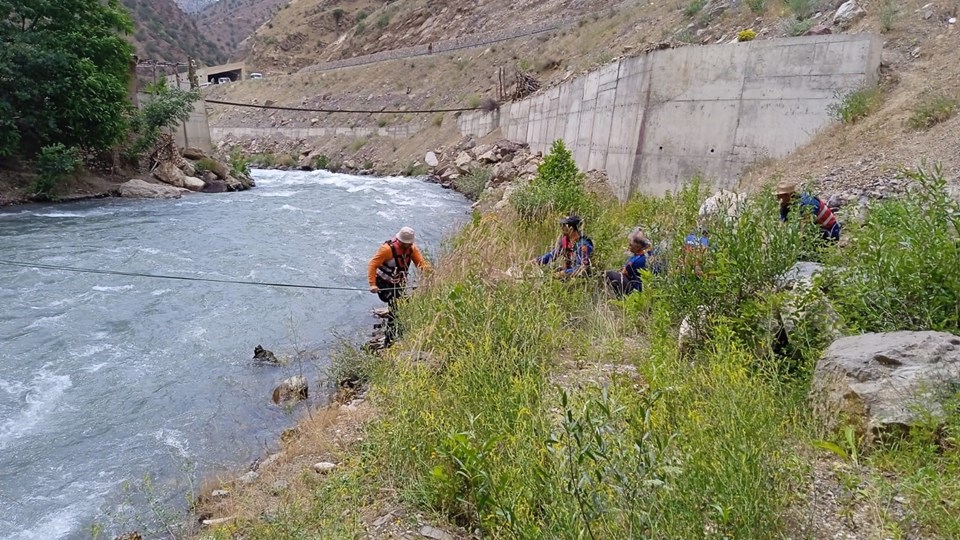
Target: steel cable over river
(129, 326)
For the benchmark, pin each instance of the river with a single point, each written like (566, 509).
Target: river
(119, 393)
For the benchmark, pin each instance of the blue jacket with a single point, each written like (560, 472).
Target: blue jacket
(573, 256)
(634, 265)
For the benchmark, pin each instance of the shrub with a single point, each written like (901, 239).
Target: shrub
(321, 162)
(383, 21)
(361, 27)
(854, 105)
(746, 35)
(473, 184)
(888, 15)
(361, 15)
(557, 188)
(414, 168)
(165, 107)
(438, 120)
(803, 9)
(757, 6)
(55, 164)
(933, 109)
(286, 160)
(900, 270)
(267, 160)
(357, 144)
(797, 27)
(239, 164)
(337, 15)
(694, 7)
(205, 164)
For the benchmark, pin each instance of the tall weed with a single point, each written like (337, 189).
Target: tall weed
(900, 271)
(557, 188)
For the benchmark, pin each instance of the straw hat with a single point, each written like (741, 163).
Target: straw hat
(786, 188)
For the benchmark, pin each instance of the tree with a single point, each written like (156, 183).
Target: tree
(64, 73)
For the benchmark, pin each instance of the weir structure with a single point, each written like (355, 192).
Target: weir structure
(655, 121)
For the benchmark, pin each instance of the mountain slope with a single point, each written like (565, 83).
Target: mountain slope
(227, 23)
(164, 32)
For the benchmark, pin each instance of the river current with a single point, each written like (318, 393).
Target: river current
(119, 393)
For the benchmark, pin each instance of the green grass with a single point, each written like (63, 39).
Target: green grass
(855, 105)
(932, 109)
(472, 184)
(542, 408)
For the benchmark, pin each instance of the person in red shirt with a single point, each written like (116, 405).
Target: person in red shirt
(388, 269)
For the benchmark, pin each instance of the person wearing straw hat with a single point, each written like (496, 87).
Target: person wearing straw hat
(809, 206)
(388, 269)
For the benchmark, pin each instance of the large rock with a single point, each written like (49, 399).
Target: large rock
(217, 168)
(291, 390)
(262, 355)
(193, 184)
(187, 167)
(463, 162)
(503, 172)
(724, 203)
(848, 14)
(168, 173)
(431, 159)
(215, 185)
(193, 153)
(138, 189)
(889, 380)
(799, 275)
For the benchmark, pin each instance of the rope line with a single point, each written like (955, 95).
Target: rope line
(378, 111)
(41, 266)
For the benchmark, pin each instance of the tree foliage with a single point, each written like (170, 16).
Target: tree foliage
(165, 107)
(64, 72)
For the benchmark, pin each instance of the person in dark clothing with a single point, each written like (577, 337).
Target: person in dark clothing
(627, 280)
(572, 251)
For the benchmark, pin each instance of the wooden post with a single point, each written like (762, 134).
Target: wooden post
(192, 73)
(186, 138)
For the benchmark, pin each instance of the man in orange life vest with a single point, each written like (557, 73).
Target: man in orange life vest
(809, 205)
(387, 271)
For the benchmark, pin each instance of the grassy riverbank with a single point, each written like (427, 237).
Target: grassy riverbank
(520, 406)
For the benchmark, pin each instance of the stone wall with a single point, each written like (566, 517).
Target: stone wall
(654, 121)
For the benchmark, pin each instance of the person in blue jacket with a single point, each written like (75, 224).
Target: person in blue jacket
(627, 280)
(572, 251)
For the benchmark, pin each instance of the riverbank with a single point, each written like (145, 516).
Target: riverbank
(519, 406)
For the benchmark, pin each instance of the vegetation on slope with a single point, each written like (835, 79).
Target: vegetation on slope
(519, 406)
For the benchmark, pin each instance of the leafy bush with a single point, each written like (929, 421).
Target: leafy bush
(933, 109)
(888, 15)
(414, 168)
(165, 107)
(473, 184)
(757, 6)
(239, 164)
(854, 105)
(797, 27)
(438, 120)
(803, 9)
(557, 188)
(286, 160)
(205, 164)
(321, 162)
(337, 15)
(746, 35)
(55, 163)
(694, 7)
(383, 21)
(900, 271)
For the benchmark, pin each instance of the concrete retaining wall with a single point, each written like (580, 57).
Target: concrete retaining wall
(394, 132)
(654, 121)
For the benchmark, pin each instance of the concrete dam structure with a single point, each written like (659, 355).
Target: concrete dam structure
(655, 121)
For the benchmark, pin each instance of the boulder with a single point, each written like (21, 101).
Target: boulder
(187, 168)
(799, 275)
(193, 153)
(724, 204)
(848, 14)
(886, 381)
(324, 467)
(193, 183)
(168, 173)
(139, 189)
(215, 185)
(262, 355)
(490, 156)
(463, 162)
(819, 30)
(503, 172)
(291, 390)
(431, 159)
(233, 184)
(217, 168)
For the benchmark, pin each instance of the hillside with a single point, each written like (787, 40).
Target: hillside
(918, 68)
(227, 23)
(164, 32)
(195, 6)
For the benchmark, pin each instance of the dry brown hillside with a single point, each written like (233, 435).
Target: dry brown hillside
(920, 70)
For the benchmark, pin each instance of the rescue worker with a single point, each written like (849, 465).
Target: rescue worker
(627, 279)
(809, 206)
(572, 252)
(388, 269)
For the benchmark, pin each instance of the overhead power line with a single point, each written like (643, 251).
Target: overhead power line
(376, 111)
(41, 266)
